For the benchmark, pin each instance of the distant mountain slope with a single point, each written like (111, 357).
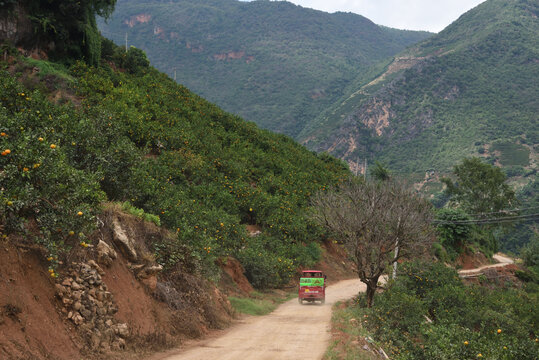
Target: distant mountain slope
(273, 63)
(472, 89)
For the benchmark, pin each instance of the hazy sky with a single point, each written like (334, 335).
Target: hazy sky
(431, 15)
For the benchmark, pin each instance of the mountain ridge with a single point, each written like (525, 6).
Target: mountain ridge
(451, 90)
(274, 63)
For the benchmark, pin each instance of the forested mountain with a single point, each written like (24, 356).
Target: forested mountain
(271, 62)
(470, 90)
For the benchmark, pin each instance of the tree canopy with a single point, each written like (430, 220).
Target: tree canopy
(70, 25)
(479, 187)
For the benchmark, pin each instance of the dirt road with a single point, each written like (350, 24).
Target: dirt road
(293, 331)
(500, 258)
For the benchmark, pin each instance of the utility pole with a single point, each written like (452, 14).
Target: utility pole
(126, 42)
(174, 74)
(365, 174)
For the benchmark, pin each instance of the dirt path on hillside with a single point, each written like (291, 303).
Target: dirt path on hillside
(293, 331)
(501, 259)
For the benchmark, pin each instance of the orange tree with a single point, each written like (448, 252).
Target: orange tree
(38, 184)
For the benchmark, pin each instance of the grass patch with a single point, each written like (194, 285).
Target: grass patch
(260, 303)
(130, 209)
(348, 336)
(49, 68)
(252, 306)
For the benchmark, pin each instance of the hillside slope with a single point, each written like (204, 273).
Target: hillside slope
(273, 63)
(71, 138)
(469, 90)
(104, 304)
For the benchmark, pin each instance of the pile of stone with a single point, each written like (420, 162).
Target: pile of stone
(90, 306)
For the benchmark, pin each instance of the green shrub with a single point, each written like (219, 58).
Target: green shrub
(530, 253)
(39, 182)
(136, 60)
(427, 313)
(453, 236)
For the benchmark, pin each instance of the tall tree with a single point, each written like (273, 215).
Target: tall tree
(479, 187)
(372, 219)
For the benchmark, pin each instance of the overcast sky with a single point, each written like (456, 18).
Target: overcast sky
(431, 15)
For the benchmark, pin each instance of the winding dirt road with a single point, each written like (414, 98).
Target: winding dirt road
(293, 331)
(500, 258)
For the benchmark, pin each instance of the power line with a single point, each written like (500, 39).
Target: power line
(504, 211)
(524, 218)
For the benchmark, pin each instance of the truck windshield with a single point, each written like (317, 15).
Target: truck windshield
(311, 281)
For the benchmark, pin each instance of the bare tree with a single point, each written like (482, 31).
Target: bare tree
(378, 222)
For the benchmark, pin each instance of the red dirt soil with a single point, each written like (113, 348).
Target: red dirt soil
(34, 323)
(469, 261)
(234, 277)
(136, 307)
(30, 324)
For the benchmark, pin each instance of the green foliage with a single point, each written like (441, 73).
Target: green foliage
(380, 172)
(47, 68)
(512, 154)
(525, 232)
(479, 187)
(136, 60)
(40, 184)
(285, 63)
(130, 209)
(427, 313)
(143, 139)
(252, 306)
(530, 255)
(266, 266)
(71, 25)
(453, 236)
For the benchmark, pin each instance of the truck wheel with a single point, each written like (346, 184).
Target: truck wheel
(300, 301)
(323, 301)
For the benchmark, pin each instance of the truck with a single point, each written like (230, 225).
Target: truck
(312, 286)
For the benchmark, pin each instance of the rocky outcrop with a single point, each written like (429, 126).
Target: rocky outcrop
(15, 26)
(90, 306)
(232, 55)
(376, 116)
(105, 254)
(138, 19)
(126, 245)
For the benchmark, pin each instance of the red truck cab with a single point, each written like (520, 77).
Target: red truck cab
(312, 286)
